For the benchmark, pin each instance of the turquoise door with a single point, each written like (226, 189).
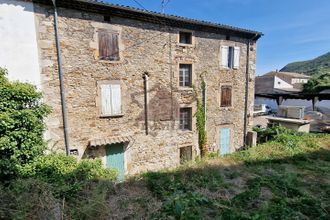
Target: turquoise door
(224, 141)
(115, 159)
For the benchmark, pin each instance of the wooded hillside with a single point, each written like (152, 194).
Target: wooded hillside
(319, 65)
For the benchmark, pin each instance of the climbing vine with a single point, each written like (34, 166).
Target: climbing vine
(201, 120)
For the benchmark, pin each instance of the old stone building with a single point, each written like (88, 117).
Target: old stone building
(128, 82)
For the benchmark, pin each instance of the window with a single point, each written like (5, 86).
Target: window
(185, 37)
(230, 57)
(107, 18)
(185, 75)
(185, 154)
(226, 95)
(108, 46)
(111, 100)
(185, 119)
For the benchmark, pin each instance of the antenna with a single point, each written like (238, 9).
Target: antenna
(164, 4)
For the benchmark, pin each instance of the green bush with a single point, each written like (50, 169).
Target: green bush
(21, 125)
(66, 174)
(276, 133)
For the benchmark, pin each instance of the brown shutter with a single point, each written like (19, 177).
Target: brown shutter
(226, 96)
(114, 47)
(108, 46)
(104, 45)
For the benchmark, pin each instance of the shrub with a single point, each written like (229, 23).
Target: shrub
(276, 133)
(28, 199)
(21, 125)
(65, 173)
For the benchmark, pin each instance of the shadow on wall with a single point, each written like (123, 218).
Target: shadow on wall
(162, 109)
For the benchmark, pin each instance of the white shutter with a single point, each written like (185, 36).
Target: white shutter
(224, 56)
(115, 99)
(236, 57)
(106, 99)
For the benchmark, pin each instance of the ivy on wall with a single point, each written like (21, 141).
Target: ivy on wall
(201, 119)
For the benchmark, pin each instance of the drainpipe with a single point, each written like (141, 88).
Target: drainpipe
(146, 78)
(247, 78)
(60, 77)
(204, 102)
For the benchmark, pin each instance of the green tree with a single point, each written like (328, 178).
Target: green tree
(318, 83)
(21, 125)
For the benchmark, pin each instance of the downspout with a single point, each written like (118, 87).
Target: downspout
(204, 101)
(146, 78)
(60, 77)
(247, 79)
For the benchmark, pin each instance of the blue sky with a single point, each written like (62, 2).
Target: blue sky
(294, 30)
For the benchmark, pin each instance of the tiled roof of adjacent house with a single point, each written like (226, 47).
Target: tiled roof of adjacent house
(154, 17)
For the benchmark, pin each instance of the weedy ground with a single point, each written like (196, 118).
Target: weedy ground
(285, 179)
(288, 178)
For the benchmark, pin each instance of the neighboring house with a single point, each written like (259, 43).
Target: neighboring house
(280, 82)
(129, 78)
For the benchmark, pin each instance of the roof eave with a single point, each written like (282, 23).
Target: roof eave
(153, 17)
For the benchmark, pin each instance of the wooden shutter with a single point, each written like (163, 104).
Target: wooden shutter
(104, 45)
(116, 99)
(108, 46)
(226, 95)
(114, 47)
(236, 57)
(106, 99)
(224, 56)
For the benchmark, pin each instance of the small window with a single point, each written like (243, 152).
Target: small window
(185, 75)
(108, 46)
(111, 100)
(230, 57)
(107, 18)
(226, 95)
(185, 154)
(185, 119)
(185, 37)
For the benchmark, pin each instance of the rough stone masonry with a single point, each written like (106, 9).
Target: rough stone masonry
(144, 47)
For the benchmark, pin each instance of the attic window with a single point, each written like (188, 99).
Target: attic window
(107, 18)
(185, 37)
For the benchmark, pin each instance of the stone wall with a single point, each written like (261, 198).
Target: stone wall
(148, 48)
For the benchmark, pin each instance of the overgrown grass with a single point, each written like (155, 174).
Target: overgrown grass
(287, 178)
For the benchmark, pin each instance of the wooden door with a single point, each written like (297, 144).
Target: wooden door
(224, 141)
(115, 159)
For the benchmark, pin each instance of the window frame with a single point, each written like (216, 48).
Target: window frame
(190, 118)
(190, 74)
(231, 54)
(99, 102)
(186, 34)
(185, 44)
